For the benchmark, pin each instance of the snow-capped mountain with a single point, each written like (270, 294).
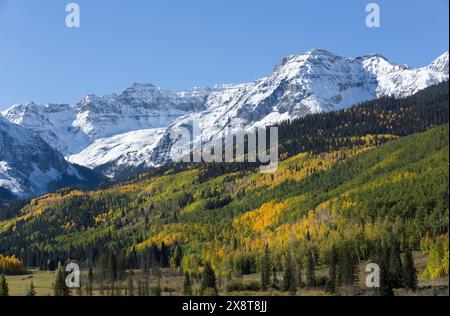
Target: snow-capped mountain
(70, 129)
(30, 167)
(133, 149)
(51, 122)
(118, 132)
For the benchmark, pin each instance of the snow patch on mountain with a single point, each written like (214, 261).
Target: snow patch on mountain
(132, 128)
(30, 167)
(71, 129)
(130, 149)
(7, 181)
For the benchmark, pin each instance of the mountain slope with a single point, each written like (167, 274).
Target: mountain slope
(313, 82)
(361, 195)
(122, 151)
(343, 175)
(30, 167)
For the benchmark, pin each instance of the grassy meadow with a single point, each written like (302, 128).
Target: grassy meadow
(171, 283)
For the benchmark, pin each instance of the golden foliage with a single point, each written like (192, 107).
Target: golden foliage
(11, 265)
(261, 219)
(438, 262)
(175, 233)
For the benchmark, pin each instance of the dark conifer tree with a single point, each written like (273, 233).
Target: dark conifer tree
(177, 256)
(332, 272)
(274, 277)
(112, 267)
(3, 286)
(310, 270)
(288, 278)
(299, 272)
(348, 265)
(59, 287)
(265, 269)
(386, 284)
(409, 271)
(187, 285)
(164, 258)
(208, 281)
(90, 282)
(395, 265)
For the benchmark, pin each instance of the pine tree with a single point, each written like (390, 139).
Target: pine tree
(348, 265)
(386, 284)
(265, 269)
(121, 265)
(409, 271)
(59, 287)
(177, 256)
(310, 270)
(332, 281)
(299, 272)
(395, 265)
(31, 291)
(164, 262)
(112, 267)
(187, 286)
(90, 282)
(289, 278)
(3, 286)
(130, 283)
(208, 282)
(274, 277)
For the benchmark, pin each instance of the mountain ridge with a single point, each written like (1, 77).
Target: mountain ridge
(313, 82)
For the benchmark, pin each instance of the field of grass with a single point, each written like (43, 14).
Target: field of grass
(42, 281)
(172, 284)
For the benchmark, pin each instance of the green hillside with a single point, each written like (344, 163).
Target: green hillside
(399, 188)
(373, 197)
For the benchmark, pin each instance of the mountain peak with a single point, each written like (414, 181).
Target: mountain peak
(374, 56)
(377, 55)
(440, 64)
(22, 106)
(318, 52)
(195, 92)
(311, 54)
(146, 92)
(143, 85)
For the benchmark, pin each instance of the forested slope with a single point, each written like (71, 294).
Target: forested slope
(313, 200)
(376, 191)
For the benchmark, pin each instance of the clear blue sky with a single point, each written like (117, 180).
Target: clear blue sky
(178, 44)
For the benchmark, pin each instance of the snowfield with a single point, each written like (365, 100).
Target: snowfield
(128, 149)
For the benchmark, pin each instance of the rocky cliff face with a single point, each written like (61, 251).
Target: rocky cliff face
(30, 167)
